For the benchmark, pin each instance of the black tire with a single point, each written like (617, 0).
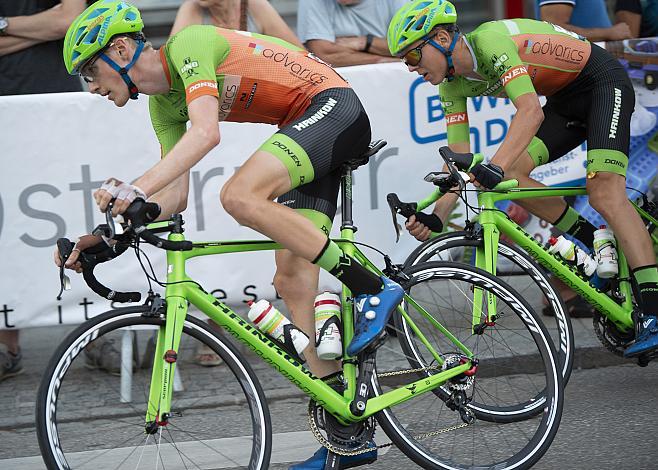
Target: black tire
(80, 416)
(504, 390)
(519, 271)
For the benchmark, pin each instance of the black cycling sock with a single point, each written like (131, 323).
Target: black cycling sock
(347, 270)
(576, 225)
(646, 280)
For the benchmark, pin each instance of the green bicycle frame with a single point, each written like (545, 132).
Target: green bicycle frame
(181, 289)
(494, 222)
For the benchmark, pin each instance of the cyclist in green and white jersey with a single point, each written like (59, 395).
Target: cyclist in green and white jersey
(205, 74)
(589, 98)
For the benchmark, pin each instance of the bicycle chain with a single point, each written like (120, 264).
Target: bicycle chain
(346, 453)
(407, 371)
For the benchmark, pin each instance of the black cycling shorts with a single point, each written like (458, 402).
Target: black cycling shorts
(334, 129)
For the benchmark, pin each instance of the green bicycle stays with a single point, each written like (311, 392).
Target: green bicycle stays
(454, 391)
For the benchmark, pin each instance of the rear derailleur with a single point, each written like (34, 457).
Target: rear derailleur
(459, 385)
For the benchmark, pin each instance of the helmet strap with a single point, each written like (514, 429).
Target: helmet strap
(450, 76)
(123, 71)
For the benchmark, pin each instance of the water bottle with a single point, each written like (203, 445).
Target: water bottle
(606, 253)
(272, 322)
(327, 326)
(573, 254)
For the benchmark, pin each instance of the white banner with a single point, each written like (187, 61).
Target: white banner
(56, 149)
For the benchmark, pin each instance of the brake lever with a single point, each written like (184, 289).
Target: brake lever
(406, 209)
(396, 225)
(65, 248)
(112, 227)
(109, 220)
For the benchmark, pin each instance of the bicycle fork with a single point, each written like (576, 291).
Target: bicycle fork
(486, 257)
(164, 364)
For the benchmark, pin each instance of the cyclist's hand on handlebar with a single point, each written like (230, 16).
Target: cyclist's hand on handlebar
(487, 175)
(124, 194)
(422, 225)
(419, 231)
(84, 242)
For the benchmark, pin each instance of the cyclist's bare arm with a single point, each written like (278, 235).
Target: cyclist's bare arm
(200, 138)
(523, 128)
(173, 198)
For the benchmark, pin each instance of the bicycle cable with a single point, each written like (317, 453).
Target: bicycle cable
(153, 277)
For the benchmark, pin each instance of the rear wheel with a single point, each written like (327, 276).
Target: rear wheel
(86, 417)
(515, 396)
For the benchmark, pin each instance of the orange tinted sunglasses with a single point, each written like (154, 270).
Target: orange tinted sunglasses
(414, 56)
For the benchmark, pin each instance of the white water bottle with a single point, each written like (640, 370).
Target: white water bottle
(327, 326)
(570, 252)
(606, 253)
(272, 322)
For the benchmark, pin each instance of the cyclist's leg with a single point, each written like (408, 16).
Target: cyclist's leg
(296, 279)
(607, 159)
(291, 158)
(294, 156)
(553, 140)
(557, 135)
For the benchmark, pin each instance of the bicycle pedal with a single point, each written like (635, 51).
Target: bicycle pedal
(644, 359)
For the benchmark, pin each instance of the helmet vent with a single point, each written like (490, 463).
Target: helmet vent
(96, 12)
(93, 34)
(418, 25)
(78, 35)
(130, 16)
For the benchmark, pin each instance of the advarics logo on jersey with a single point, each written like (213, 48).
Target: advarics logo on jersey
(283, 58)
(561, 52)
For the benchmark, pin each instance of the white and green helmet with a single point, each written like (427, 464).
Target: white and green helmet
(415, 21)
(94, 28)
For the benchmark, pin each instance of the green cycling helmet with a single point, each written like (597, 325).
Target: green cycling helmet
(415, 20)
(92, 30)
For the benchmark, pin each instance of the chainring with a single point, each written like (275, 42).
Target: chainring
(610, 336)
(348, 439)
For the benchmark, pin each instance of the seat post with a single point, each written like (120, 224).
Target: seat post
(346, 171)
(346, 199)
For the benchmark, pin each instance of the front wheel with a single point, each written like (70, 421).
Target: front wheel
(91, 409)
(518, 270)
(515, 397)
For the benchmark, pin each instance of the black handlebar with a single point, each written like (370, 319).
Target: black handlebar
(138, 215)
(89, 259)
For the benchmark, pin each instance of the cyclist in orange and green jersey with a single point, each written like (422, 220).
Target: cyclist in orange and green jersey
(589, 98)
(205, 74)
